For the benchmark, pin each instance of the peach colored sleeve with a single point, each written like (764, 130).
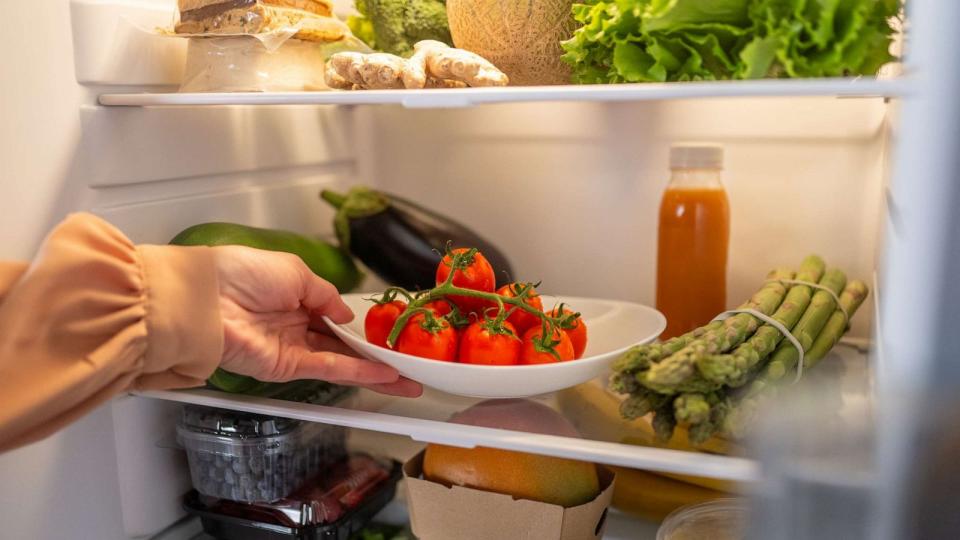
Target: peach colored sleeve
(94, 316)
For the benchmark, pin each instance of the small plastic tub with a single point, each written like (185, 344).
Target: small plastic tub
(720, 519)
(251, 64)
(252, 458)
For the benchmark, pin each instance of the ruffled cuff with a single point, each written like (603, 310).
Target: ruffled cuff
(184, 329)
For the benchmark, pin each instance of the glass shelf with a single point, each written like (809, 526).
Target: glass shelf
(425, 420)
(466, 97)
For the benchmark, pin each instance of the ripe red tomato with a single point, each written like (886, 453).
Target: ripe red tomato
(478, 276)
(479, 345)
(380, 320)
(578, 334)
(442, 307)
(531, 353)
(521, 320)
(434, 339)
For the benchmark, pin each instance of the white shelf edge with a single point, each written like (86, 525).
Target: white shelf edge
(432, 431)
(465, 97)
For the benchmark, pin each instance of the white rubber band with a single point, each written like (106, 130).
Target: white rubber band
(836, 298)
(774, 323)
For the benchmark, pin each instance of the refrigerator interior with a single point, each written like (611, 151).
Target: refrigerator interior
(569, 190)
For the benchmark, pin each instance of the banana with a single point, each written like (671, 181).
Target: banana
(653, 496)
(596, 413)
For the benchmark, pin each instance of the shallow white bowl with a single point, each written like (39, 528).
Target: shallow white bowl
(612, 328)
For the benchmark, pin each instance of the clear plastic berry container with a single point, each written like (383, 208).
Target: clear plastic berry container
(253, 458)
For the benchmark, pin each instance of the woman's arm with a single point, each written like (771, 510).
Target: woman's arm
(93, 316)
(10, 272)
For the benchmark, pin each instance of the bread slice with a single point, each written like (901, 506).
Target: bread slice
(322, 8)
(256, 17)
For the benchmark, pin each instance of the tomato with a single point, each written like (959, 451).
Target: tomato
(478, 275)
(481, 345)
(380, 320)
(578, 334)
(442, 307)
(521, 320)
(529, 353)
(433, 338)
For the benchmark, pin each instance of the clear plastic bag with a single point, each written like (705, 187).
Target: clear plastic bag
(247, 64)
(271, 61)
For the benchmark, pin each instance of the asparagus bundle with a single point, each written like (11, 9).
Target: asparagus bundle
(711, 379)
(731, 369)
(747, 405)
(680, 367)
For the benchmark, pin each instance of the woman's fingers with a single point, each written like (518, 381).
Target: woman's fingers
(321, 341)
(330, 359)
(319, 325)
(338, 368)
(320, 297)
(402, 388)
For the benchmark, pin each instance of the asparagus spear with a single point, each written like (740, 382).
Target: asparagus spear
(639, 358)
(625, 370)
(680, 367)
(700, 432)
(641, 403)
(732, 369)
(664, 422)
(851, 299)
(748, 406)
(691, 408)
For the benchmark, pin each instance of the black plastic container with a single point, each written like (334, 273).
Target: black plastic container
(231, 527)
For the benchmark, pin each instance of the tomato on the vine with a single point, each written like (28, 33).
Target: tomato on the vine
(534, 351)
(429, 336)
(486, 343)
(521, 320)
(442, 307)
(577, 333)
(477, 275)
(380, 320)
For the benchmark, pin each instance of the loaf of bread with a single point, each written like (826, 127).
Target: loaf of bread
(311, 18)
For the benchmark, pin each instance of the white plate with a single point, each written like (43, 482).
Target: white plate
(612, 328)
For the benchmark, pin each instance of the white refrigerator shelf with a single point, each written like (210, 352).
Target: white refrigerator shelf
(423, 420)
(466, 97)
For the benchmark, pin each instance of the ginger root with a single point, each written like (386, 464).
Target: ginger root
(433, 65)
(376, 71)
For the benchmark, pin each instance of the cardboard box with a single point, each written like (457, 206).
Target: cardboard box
(441, 513)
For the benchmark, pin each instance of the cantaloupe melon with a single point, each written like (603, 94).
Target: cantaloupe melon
(520, 37)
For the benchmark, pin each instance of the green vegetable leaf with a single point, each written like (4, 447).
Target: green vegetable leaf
(757, 57)
(671, 15)
(632, 62)
(678, 40)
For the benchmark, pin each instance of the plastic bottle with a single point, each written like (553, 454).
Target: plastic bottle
(693, 239)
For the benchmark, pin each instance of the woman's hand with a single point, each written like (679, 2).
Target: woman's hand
(271, 305)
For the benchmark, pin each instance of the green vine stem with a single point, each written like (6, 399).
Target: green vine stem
(460, 261)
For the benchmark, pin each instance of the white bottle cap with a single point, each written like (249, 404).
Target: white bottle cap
(696, 156)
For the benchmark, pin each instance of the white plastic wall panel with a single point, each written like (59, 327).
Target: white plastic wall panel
(151, 173)
(571, 191)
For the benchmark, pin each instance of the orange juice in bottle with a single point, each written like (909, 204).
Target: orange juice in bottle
(693, 239)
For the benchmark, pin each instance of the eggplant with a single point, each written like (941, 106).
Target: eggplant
(401, 241)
